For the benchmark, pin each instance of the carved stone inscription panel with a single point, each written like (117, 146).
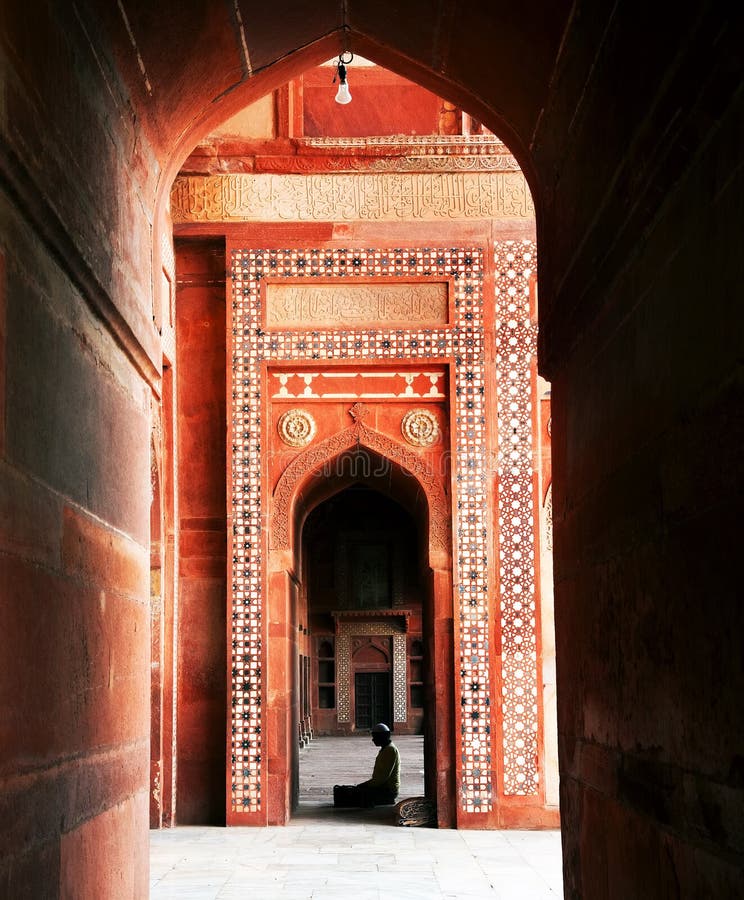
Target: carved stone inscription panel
(346, 305)
(426, 196)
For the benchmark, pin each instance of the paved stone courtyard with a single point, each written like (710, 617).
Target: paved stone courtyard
(328, 854)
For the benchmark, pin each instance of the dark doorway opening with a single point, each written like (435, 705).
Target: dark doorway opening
(364, 590)
(372, 693)
(364, 594)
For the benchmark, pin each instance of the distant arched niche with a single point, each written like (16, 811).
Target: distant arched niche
(370, 654)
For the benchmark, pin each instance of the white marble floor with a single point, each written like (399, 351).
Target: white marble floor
(322, 857)
(347, 854)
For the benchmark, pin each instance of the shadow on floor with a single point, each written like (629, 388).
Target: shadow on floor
(314, 811)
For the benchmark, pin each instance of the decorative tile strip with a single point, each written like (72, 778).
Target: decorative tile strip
(400, 681)
(516, 345)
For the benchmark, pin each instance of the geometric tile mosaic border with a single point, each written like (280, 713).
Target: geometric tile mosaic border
(343, 677)
(516, 345)
(463, 341)
(400, 688)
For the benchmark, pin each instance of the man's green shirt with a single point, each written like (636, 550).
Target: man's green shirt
(386, 772)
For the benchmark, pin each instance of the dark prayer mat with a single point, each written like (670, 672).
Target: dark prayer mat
(416, 812)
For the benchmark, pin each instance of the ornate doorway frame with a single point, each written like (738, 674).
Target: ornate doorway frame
(492, 630)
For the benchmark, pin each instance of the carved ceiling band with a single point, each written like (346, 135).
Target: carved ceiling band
(355, 436)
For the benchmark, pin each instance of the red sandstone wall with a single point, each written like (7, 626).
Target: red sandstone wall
(75, 317)
(200, 330)
(382, 103)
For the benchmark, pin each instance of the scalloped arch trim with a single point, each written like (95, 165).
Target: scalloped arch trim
(358, 435)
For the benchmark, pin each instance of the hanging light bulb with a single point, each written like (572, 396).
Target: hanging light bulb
(343, 94)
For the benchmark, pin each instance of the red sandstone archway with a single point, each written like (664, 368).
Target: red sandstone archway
(306, 482)
(276, 738)
(205, 105)
(253, 790)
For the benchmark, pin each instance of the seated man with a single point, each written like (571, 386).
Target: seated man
(383, 786)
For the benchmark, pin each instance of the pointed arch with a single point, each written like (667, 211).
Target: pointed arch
(358, 435)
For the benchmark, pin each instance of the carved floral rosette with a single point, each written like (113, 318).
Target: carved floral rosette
(296, 427)
(420, 427)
